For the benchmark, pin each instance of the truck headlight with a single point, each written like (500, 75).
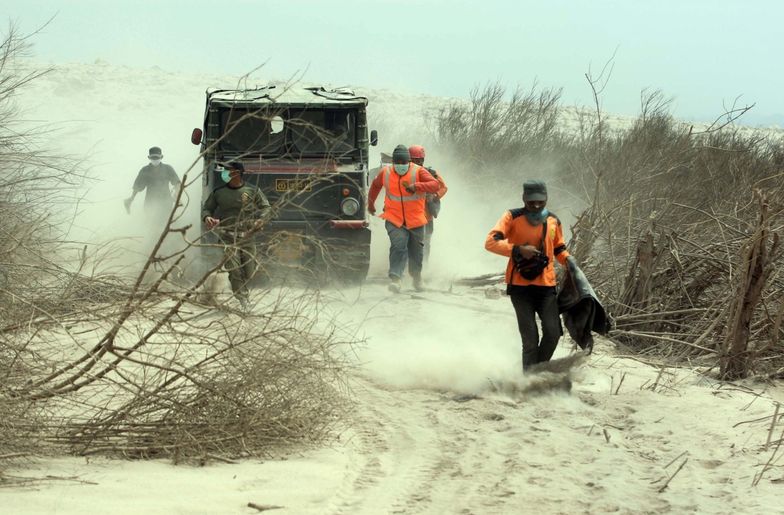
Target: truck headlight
(349, 206)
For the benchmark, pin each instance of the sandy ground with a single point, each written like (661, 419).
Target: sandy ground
(429, 435)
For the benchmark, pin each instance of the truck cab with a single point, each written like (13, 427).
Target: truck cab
(307, 150)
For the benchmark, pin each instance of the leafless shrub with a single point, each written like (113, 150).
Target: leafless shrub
(163, 376)
(35, 189)
(495, 131)
(210, 385)
(18, 419)
(95, 364)
(671, 212)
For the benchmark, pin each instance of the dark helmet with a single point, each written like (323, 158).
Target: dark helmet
(400, 155)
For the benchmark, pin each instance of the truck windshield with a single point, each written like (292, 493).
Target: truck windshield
(251, 132)
(323, 131)
(282, 132)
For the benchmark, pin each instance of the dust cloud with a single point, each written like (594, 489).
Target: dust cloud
(448, 337)
(106, 118)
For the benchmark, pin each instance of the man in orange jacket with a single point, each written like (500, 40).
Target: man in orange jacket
(432, 200)
(405, 185)
(532, 239)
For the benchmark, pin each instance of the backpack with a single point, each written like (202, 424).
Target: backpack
(432, 202)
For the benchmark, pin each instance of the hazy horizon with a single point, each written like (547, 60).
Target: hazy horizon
(703, 54)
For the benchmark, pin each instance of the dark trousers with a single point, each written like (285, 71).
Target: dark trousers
(241, 265)
(529, 301)
(241, 261)
(406, 245)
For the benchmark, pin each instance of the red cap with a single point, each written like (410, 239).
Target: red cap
(416, 151)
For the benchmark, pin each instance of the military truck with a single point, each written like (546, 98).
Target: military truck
(307, 149)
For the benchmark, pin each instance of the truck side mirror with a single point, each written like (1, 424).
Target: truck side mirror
(196, 136)
(374, 137)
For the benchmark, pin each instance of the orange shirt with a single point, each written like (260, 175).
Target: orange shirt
(514, 229)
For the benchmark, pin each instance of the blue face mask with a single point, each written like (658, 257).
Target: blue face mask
(401, 169)
(226, 176)
(536, 217)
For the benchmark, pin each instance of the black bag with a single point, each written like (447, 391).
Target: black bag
(532, 268)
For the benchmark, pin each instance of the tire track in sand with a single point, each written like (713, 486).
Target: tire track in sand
(418, 451)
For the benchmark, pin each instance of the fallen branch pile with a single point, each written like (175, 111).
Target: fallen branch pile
(682, 240)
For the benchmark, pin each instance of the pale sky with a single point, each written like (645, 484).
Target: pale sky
(703, 53)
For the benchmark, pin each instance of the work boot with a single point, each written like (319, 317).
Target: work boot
(418, 284)
(244, 304)
(394, 284)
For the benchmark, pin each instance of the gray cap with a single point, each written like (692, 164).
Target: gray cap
(155, 153)
(400, 155)
(534, 191)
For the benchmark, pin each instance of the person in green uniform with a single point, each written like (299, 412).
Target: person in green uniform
(236, 211)
(156, 177)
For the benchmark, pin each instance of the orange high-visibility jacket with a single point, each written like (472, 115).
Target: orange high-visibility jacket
(514, 229)
(402, 208)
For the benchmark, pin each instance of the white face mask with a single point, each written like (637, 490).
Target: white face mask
(401, 169)
(155, 162)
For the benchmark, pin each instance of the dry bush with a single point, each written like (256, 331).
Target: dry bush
(494, 131)
(162, 375)
(42, 274)
(19, 420)
(93, 364)
(215, 385)
(672, 213)
(34, 285)
(180, 380)
(492, 125)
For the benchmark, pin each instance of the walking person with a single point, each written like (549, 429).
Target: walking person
(236, 209)
(156, 177)
(532, 239)
(405, 185)
(432, 200)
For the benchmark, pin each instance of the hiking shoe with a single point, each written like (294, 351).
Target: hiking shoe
(419, 285)
(244, 304)
(394, 285)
